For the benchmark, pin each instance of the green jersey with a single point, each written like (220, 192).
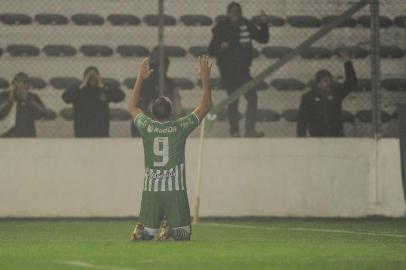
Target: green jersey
(164, 151)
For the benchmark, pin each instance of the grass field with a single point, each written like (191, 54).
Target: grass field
(273, 244)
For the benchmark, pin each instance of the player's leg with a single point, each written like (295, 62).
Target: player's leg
(151, 215)
(177, 214)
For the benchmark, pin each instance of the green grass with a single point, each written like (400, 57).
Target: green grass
(275, 244)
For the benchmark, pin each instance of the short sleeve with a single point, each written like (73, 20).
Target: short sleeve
(142, 122)
(188, 123)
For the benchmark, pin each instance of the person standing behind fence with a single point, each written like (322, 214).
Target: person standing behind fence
(150, 90)
(19, 109)
(320, 112)
(231, 45)
(90, 101)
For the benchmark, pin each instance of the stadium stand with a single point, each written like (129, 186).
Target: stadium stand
(96, 50)
(59, 50)
(304, 21)
(87, 19)
(196, 20)
(350, 22)
(15, 19)
(51, 19)
(153, 20)
(123, 20)
(132, 51)
(384, 22)
(22, 50)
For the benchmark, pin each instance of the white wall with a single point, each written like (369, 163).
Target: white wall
(241, 177)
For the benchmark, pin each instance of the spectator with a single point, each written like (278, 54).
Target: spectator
(231, 44)
(150, 91)
(91, 100)
(320, 112)
(19, 109)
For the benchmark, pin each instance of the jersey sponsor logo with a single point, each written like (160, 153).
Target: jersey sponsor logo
(165, 174)
(151, 129)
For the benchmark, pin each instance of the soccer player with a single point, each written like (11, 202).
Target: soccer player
(165, 210)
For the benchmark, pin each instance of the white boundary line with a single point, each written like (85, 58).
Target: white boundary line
(92, 266)
(305, 230)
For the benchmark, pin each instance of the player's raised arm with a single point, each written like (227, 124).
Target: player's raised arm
(143, 72)
(204, 70)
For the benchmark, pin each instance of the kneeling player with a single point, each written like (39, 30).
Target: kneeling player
(165, 210)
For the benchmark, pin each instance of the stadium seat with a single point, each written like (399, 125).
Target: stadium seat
(49, 115)
(96, 50)
(4, 84)
(132, 51)
(365, 116)
(347, 117)
(153, 20)
(304, 21)
(400, 21)
(394, 84)
(111, 82)
(384, 22)
(290, 115)
(196, 20)
(391, 52)
(123, 19)
(117, 114)
(288, 85)
(222, 115)
(37, 83)
(129, 82)
(51, 19)
(275, 51)
(363, 85)
(198, 50)
(356, 52)
(171, 51)
(15, 19)
(59, 50)
(273, 21)
(220, 18)
(183, 83)
(261, 86)
(22, 50)
(63, 82)
(255, 53)
(87, 19)
(67, 114)
(215, 83)
(1, 51)
(348, 22)
(267, 115)
(315, 53)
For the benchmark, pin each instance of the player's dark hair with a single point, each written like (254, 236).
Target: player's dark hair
(20, 77)
(321, 74)
(162, 109)
(91, 68)
(229, 6)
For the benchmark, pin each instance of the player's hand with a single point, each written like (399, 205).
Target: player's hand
(263, 17)
(144, 71)
(84, 82)
(224, 45)
(344, 55)
(204, 68)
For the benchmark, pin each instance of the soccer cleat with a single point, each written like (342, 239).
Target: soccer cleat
(163, 233)
(138, 232)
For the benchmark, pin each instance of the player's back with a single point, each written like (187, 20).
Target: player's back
(164, 150)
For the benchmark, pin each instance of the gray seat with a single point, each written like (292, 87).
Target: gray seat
(117, 114)
(395, 84)
(129, 82)
(22, 50)
(183, 83)
(391, 52)
(384, 22)
(273, 21)
(132, 51)
(363, 85)
(356, 52)
(347, 117)
(267, 115)
(365, 116)
(276, 51)
(15, 19)
(288, 85)
(4, 83)
(304, 21)
(123, 20)
(348, 22)
(51, 19)
(111, 82)
(315, 53)
(67, 114)
(171, 51)
(400, 21)
(290, 115)
(59, 50)
(153, 20)
(37, 83)
(196, 20)
(62, 83)
(198, 50)
(96, 50)
(87, 19)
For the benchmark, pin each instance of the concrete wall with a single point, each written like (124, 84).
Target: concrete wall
(241, 177)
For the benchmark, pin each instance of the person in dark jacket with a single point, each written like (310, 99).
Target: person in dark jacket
(90, 101)
(231, 45)
(150, 90)
(320, 112)
(19, 109)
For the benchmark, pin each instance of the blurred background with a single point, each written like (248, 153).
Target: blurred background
(54, 41)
